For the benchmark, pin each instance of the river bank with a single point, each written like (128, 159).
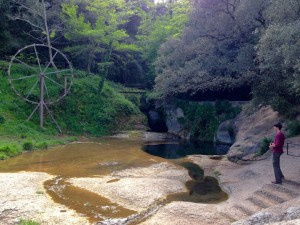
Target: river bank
(143, 189)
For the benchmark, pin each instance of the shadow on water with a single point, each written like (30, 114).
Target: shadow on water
(201, 189)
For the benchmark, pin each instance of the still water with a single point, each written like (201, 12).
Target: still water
(106, 155)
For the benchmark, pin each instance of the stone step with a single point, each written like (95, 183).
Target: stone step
(283, 190)
(271, 196)
(261, 203)
(238, 212)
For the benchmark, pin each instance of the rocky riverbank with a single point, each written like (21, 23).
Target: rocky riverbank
(253, 199)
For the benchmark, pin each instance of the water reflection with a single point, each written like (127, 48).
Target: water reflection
(176, 150)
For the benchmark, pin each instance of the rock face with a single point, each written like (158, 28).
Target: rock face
(250, 131)
(173, 116)
(168, 121)
(223, 134)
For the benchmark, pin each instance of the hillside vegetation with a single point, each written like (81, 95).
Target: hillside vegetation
(85, 111)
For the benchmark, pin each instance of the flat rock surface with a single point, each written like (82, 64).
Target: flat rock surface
(241, 182)
(137, 188)
(179, 213)
(22, 196)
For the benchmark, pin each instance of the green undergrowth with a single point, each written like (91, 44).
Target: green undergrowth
(27, 222)
(202, 120)
(264, 146)
(85, 111)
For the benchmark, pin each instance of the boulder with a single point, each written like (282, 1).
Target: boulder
(224, 133)
(250, 130)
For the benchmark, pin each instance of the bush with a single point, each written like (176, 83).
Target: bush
(8, 151)
(41, 145)
(293, 128)
(2, 120)
(264, 146)
(27, 146)
(3, 156)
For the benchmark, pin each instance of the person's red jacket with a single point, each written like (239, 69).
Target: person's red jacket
(279, 142)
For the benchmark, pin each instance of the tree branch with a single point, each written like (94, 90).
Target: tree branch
(26, 7)
(35, 38)
(27, 21)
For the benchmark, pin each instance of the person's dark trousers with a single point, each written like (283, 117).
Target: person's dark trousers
(276, 166)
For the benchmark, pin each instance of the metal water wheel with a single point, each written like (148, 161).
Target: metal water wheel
(41, 75)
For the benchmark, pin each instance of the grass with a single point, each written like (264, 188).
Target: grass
(27, 222)
(84, 111)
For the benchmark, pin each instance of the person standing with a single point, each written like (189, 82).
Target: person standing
(277, 149)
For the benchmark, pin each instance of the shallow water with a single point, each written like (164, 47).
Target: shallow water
(101, 157)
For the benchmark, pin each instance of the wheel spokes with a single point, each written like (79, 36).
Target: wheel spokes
(54, 81)
(50, 62)
(37, 58)
(22, 78)
(58, 71)
(46, 90)
(32, 89)
(25, 64)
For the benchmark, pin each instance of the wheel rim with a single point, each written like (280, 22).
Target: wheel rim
(58, 73)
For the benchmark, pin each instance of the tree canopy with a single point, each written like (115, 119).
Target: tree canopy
(181, 47)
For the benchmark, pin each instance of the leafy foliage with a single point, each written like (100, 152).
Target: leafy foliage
(264, 146)
(102, 36)
(202, 120)
(216, 51)
(278, 53)
(83, 111)
(293, 128)
(156, 28)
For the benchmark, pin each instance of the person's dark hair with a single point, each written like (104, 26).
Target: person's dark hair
(278, 125)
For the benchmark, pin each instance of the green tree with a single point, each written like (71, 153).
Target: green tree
(278, 53)
(162, 22)
(216, 51)
(103, 35)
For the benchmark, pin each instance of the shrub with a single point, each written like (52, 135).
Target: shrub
(293, 128)
(9, 151)
(3, 156)
(27, 146)
(41, 145)
(264, 146)
(5, 149)
(2, 120)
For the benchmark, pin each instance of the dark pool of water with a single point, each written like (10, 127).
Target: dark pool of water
(180, 149)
